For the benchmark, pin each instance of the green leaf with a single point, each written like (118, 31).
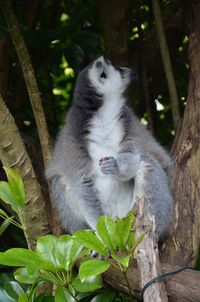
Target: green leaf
(88, 239)
(23, 298)
(6, 195)
(13, 290)
(22, 275)
(50, 277)
(75, 252)
(131, 239)
(137, 242)
(91, 268)
(20, 257)
(62, 295)
(64, 246)
(46, 248)
(106, 230)
(124, 260)
(5, 224)
(105, 296)
(16, 186)
(44, 298)
(89, 285)
(122, 230)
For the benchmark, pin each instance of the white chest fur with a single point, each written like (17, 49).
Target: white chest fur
(106, 133)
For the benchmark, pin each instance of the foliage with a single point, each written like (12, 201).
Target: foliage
(54, 258)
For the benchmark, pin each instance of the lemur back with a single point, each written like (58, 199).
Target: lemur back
(104, 158)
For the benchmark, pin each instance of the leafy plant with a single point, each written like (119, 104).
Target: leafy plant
(115, 243)
(53, 260)
(13, 194)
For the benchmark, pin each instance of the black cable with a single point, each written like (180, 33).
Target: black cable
(161, 277)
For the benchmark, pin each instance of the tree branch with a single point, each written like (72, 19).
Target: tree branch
(167, 63)
(29, 77)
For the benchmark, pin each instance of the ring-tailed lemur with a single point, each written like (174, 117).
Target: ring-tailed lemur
(103, 157)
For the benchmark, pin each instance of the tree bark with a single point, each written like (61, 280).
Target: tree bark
(13, 154)
(147, 254)
(115, 16)
(182, 246)
(29, 78)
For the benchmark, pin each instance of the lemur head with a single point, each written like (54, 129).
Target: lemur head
(107, 79)
(99, 81)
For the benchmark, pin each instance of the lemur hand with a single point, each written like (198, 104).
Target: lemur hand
(108, 165)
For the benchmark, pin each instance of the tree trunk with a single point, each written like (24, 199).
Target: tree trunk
(182, 246)
(13, 154)
(115, 16)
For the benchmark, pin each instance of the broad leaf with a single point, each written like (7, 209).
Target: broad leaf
(89, 285)
(62, 295)
(105, 296)
(64, 246)
(16, 186)
(122, 230)
(46, 248)
(131, 239)
(22, 275)
(13, 290)
(137, 242)
(91, 268)
(88, 239)
(76, 251)
(7, 196)
(23, 298)
(124, 260)
(49, 276)
(106, 230)
(20, 257)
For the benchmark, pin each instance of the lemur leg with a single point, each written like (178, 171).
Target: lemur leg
(151, 182)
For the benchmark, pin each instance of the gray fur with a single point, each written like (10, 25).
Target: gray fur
(71, 173)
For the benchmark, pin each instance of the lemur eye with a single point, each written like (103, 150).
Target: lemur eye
(103, 75)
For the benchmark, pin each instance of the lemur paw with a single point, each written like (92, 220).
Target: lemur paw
(108, 165)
